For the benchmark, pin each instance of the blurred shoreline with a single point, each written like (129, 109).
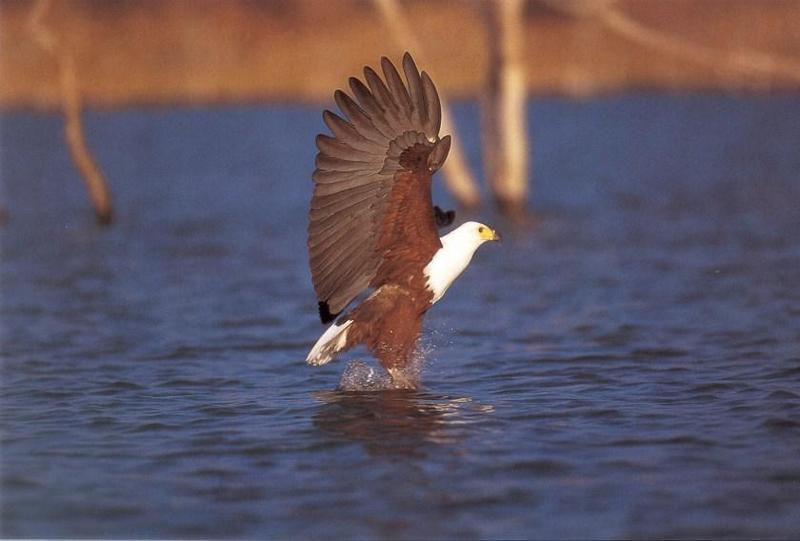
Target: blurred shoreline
(196, 52)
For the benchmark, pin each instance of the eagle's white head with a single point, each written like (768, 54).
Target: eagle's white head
(470, 234)
(456, 252)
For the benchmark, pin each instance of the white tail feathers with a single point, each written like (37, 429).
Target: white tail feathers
(329, 344)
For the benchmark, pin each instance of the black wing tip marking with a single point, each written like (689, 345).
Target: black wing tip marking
(444, 217)
(325, 314)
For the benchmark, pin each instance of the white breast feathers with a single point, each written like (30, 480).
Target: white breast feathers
(452, 258)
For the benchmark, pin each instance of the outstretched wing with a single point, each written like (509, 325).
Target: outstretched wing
(377, 162)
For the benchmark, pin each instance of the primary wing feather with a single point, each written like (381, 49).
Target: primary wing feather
(382, 137)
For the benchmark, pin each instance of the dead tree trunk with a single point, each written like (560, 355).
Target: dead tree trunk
(71, 108)
(503, 110)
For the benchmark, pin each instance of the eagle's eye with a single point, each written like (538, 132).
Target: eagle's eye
(480, 229)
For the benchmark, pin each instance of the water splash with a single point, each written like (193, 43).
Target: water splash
(361, 376)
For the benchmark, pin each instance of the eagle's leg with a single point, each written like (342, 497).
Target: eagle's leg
(397, 345)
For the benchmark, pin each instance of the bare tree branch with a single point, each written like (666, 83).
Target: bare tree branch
(742, 61)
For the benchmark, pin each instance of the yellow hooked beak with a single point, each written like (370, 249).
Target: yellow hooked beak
(487, 233)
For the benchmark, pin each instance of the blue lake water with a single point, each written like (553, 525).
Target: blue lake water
(627, 367)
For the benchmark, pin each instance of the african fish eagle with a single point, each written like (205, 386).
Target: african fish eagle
(372, 220)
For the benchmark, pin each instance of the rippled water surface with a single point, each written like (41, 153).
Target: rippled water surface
(629, 366)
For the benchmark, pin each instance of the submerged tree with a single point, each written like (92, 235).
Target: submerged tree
(71, 108)
(503, 107)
